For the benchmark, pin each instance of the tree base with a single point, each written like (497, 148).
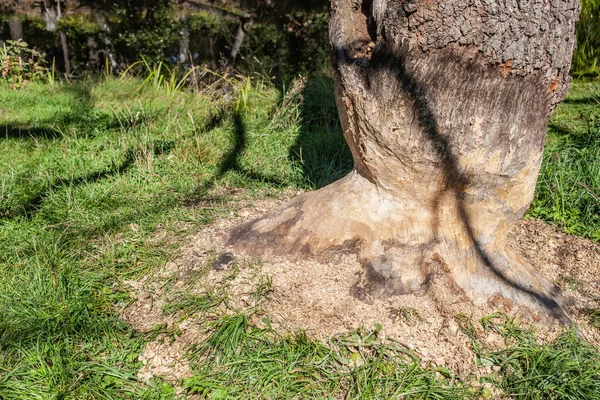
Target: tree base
(405, 246)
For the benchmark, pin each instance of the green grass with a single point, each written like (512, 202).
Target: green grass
(567, 369)
(568, 188)
(100, 181)
(586, 57)
(239, 361)
(90, 174)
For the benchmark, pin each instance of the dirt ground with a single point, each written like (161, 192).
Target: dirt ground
(320, 296)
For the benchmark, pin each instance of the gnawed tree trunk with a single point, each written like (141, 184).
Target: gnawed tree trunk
(444, 105)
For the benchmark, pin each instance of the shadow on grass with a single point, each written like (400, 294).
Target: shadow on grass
(81, 114)
(571, 138)
(231, 160)
(320, 147)
(29, 208)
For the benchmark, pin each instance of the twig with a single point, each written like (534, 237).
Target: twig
(590, 191)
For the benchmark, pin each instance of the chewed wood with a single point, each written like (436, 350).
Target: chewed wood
(446, 129)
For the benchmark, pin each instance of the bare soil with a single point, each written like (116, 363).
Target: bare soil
(328, 295)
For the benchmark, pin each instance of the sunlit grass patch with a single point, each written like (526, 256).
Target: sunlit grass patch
(99, 182)
(568, 188)
(531, 368)
(239, 360)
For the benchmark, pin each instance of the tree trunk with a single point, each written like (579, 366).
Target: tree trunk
(93, 53)
(184, 45)
(445, 108)
(211, 51)
(65, 50)
(184, 41)
(15, 26)
(50, 17)
(240, 33)
(108, 45)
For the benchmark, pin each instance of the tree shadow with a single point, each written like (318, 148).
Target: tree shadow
(29, 208)
(571, 138)
(81, 114)
(231, 159)
(320, 148)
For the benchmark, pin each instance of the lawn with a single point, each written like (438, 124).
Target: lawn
(568, 189)
(101, 181)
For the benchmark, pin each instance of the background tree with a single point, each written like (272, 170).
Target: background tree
(286, 37)
(16, 28)
(445, 108)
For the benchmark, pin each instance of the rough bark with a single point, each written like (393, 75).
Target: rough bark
(444, 105)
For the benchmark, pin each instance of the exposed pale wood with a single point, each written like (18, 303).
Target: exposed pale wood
(444, 105)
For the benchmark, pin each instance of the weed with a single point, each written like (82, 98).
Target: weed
(263, 289)
(191, 304)
(587, 54)
(568, 368)
(20, 64)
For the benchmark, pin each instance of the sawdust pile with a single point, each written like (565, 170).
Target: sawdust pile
(323, 297)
